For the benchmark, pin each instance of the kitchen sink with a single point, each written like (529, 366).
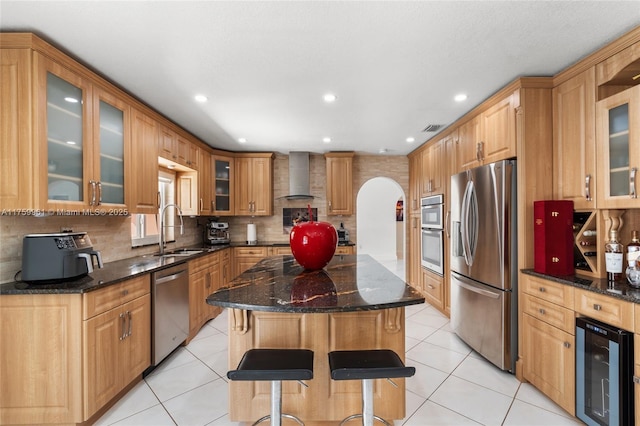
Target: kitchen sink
(180, 252)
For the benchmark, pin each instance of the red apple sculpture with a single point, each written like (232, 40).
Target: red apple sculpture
(313, 243)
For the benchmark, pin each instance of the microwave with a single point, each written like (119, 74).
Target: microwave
(432, 211)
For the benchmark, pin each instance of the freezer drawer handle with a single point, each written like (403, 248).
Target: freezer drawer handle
(597, 307)
(479, 290)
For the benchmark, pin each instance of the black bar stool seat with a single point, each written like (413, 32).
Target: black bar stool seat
(367, 365)
(275, 365)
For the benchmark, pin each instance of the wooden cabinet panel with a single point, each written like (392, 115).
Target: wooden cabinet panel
(550, 313)
(415, 172)
(345, 250)
(205, 277)
(254, 185)
(498, 127)
(19, 158)
(433, 164)
(339, 183)
(276, 251)
(40, 367)
(574, 160)
(432, 289)
(549, 355)
(99, 301)
(142, 178)
(616, 312)
(414, 270)
(467, 153)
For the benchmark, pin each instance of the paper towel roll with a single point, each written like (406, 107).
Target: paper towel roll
(252, 236)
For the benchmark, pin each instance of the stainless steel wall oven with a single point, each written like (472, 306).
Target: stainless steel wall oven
(432, 240)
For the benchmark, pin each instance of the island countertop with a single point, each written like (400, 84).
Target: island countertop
(348, 283)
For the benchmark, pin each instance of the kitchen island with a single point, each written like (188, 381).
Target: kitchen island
(353, 303)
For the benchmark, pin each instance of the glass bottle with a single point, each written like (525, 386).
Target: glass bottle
(633, 248)
(633, 273)
(613, 257)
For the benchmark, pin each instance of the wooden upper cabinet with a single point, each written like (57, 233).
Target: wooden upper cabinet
(574, 159)
(254, 184)
(18, 155)
(433, 164)
(188, 152)
(415, 187)
(206, 186)
(223, 177)
(618, 139)
(142, 179)
(489, 136)
(167, 147)
(498, 129)
(339, 183)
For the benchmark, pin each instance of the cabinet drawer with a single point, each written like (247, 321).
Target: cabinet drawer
(559, 294)
(203, 262)
(432, 286)
(554, 315)
(99, 301)
(280, 250)
(251, 251)
(603, 308)
(344, 250)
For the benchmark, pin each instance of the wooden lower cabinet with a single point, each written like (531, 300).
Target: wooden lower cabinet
(432, 289)
(205, 277)
(65, 356)
(325, 400)
(549, 355)
(245, 257)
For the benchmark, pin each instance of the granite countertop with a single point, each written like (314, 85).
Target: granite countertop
(619, 289)
(276, 244)
(348, 283)
(111, 273)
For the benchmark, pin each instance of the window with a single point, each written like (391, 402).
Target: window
(144, 227)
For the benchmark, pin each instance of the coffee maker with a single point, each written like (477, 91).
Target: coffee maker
(217, 233)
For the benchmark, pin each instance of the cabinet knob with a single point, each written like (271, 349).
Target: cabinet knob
(567, 345)
(597, 307)
(541, 311)
(542, 289)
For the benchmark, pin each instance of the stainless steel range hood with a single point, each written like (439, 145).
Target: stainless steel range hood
(299, 176)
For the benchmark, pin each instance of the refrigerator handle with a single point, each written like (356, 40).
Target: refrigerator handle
(464, 225)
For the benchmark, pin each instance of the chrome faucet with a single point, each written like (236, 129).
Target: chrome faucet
(162, 226)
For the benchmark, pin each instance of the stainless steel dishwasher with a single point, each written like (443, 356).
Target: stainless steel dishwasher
(170, 310)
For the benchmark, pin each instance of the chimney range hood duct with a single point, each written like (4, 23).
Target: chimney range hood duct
(299, 176)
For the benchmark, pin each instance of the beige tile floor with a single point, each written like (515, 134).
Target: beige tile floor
(453, 385)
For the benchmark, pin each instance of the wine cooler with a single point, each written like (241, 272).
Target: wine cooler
(604, 374)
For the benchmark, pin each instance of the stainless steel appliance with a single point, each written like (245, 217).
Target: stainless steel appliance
(484, 261)
(432, 234)
(343, 235)
(169, 311)
(56, 257)
(217, 233)
(604, 374)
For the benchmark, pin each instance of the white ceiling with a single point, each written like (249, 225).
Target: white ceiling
(264, 66)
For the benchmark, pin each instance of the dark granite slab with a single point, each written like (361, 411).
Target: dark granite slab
(112, 273)
(348, 283)
(277, 244)
(619, 289)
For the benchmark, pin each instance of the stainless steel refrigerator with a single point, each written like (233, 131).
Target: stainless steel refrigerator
(484, 261)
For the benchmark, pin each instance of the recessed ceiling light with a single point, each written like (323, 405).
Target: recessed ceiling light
(242, 140)
(71, 100)
(71, 142)
(460, 97)
(329, 97)
(200, 98)
(410, 139)
(326, 140)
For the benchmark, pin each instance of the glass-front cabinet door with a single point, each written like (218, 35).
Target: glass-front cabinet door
(86, 134)
(223, 183)
(618, 149)
(68, 152)
(111, 138)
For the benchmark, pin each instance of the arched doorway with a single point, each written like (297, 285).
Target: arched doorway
(380, 224)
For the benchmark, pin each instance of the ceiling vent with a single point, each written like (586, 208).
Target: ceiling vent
(299, 176)
(432, 127)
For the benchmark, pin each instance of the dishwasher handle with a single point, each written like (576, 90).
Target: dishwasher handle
(165, 278)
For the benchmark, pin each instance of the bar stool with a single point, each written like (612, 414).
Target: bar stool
(275, 365)
(367, 365)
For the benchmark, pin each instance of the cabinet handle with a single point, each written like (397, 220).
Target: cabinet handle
(125, 292)
(122, 327)
(480, 151)
(597, 307)
(567, 345)
(129, 316)
(330, 208)
(632, 182)
(213, 206)
(201, 204)
(158, 199)
(636, 379)
(542, 289)
(446, 224)
(542, 312)
(587, 187)
(99, 184)
(93, 192)
(430, 286)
